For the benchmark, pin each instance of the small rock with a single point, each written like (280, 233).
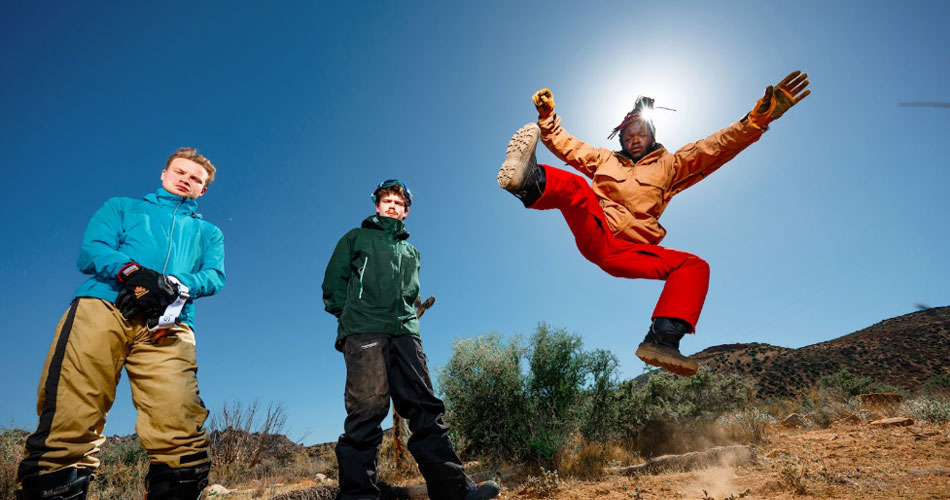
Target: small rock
(217, 489)
(793, 420)
(319, 478)
(873, 415)
(893, 422)
(849, 420)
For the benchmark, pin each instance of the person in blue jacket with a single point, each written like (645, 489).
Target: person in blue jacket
(148, 260)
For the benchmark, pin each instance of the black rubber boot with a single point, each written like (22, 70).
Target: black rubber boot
(183, 483)
(661, 347)
(70, 483)
(482, 491)
(520, 174)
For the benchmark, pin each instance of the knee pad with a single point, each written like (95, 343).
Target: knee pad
(182, 483)
(70, 483)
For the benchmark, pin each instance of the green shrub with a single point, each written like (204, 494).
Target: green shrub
(938, 385)
(600, 414)
(498, 412)
(935, 410)
(671, 414)
(484, 392)
(852, 385)
(557, 370)
(123, 451)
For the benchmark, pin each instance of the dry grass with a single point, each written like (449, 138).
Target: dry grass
(585, 460)
(842, 461)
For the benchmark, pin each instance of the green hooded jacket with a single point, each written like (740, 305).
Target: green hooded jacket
(372, 280)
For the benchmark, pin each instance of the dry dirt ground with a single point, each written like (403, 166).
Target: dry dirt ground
(843, 461)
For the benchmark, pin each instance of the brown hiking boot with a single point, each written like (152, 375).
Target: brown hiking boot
(661, 347)
(520, 172)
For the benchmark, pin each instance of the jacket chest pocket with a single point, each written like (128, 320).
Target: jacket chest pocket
(654, 175)
(407, 270)
(613, 180)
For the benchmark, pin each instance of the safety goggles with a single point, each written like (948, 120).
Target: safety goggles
(390, 183)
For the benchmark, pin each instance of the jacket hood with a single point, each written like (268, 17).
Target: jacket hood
(164, 198)
(387, 224)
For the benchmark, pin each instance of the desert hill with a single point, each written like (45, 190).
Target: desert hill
(902, 352)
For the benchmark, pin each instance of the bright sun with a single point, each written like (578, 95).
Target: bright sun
(676, 84)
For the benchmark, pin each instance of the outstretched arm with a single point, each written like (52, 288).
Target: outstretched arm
(576, 153)
(695, 161)
(777, 100)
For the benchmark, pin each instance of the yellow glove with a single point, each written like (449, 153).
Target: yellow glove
(544, 102)
(777, 100)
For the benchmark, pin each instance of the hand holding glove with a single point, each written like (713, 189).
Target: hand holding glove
(422, 307)
(544, 102)
(777, 100)
(144, 292)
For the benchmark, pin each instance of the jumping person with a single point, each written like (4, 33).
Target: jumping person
(148, 260)
(615, 218)
(371, 285)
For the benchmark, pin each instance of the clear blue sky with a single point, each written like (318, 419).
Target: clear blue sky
(835, 220)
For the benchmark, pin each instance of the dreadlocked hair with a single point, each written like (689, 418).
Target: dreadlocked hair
(636, 114)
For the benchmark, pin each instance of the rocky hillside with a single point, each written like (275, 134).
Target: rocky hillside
(902, 352)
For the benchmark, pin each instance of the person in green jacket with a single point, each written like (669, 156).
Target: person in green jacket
(371, 285)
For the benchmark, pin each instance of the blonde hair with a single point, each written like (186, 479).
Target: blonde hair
(193, 155)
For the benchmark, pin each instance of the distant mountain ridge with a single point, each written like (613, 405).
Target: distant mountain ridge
(903, 352)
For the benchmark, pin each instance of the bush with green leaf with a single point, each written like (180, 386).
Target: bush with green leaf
(484, 392)
(932, 409)
(668, 413)
(849, 385)
(498, 411)
(938, 385)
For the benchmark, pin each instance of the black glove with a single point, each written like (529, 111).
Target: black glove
(144, 292)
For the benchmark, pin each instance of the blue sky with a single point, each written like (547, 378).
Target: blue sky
(835, 220)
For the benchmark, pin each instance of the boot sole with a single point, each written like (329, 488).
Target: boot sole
(517, 157)
(679, 365)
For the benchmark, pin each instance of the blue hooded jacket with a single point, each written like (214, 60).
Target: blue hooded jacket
(161, 232)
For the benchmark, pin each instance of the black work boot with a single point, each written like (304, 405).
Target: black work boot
(661, 347)
(520, 174)
(482, 491)
(181, 483)
(70, 483)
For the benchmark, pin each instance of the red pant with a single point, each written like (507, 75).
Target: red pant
(686, 275)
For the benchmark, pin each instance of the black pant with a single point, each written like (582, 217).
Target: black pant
(379, 367)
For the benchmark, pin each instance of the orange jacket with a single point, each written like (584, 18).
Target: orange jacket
(634, 196)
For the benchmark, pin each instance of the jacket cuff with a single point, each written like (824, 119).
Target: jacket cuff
(549, 123)
(748, 121)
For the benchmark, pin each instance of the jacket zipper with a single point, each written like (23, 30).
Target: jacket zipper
(398, 282)
(171, 234)
(362, 270)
